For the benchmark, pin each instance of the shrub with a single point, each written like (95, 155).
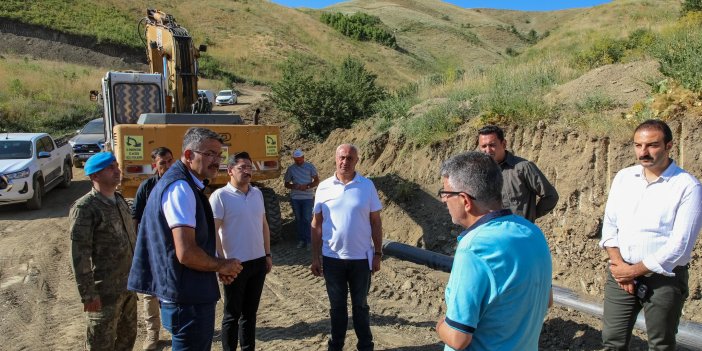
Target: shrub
(691, 5)
(360, 26)
(436, 124)
(321, 98)
(679, 51)
(596, 102)
(603, 51)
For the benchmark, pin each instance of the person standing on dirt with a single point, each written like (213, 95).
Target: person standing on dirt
(161, 161)
(347, 233)
(102, 246)
(526, 191)
(499, 289)
(240, 221)
(175, 251)
(301, 178)
(651, 222)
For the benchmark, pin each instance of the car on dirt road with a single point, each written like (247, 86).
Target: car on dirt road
(226, 97)
(31, 164)
(89, 141)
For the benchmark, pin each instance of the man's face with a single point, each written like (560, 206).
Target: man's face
(493, 146)
(651, 149)
(204, 162)
(162, 163)
(454, 202)
(240, 172)
(299, 160)
(346, 159)
(108, 177)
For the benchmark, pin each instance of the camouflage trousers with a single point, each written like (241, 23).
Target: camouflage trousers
(115, 326)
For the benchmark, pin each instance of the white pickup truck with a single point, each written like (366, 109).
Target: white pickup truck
(31, 164)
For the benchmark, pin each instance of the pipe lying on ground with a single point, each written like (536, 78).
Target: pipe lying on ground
(689, 333)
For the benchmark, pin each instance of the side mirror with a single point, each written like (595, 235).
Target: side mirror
(202, 48)
(94, 95)
(44, 154)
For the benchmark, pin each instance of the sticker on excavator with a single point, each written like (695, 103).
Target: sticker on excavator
(225, 156)
(133, 147)
(271, 145)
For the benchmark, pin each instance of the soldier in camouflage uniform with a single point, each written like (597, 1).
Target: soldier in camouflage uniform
(102, 247)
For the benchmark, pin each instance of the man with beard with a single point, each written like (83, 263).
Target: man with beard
(240, 219)
(175, 252)
(652, 219)
(102, 245)
(525, 190)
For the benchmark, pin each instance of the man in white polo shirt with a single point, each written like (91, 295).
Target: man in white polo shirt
(242, 233)
(347, 232)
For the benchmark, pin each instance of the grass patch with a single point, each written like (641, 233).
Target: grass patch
(437, 124)
(596, 102)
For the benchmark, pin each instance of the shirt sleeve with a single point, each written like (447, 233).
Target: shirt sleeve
(686, 228)
(609, 221)
(217, 205)
(178, 205)
(548, 196)
(139, 202)
(81, 228)
(313, 170)
(288, 176)
(375, 204)
(468, 291)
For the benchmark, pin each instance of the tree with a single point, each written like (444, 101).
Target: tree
(321, 98)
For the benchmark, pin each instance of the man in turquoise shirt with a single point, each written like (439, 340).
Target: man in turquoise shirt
(500, 284)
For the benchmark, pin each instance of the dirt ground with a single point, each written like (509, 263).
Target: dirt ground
(40, 308)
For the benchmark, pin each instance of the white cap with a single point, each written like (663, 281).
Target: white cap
(298, 153)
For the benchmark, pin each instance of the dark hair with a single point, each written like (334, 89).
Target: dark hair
(659, 125)
(160, 152)
(241, 155)
(492, 129)
(477, 174)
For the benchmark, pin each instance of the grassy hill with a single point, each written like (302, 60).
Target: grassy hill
(493, 64)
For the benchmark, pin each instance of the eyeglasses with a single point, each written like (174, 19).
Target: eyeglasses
(211, 155)
(443, 194)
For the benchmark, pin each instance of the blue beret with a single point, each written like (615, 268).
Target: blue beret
(98, 162)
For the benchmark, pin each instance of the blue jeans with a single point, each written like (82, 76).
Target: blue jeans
(191, 326)
(303, 218)
(342, 277)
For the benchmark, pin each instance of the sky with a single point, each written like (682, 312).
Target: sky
(523, 5)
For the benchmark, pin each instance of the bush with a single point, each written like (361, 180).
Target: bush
(603, 51)
(691, 5)
(679, 51)
(436, 124)
(360, 26)
(596, 102)
(323, 99)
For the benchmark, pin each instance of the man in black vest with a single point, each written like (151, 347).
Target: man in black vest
(174, 257)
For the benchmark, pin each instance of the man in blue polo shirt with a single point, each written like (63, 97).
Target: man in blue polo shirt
(500, 284)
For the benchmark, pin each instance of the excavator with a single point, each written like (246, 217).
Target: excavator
(143, 111)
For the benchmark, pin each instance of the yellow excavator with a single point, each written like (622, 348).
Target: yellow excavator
(143, 111)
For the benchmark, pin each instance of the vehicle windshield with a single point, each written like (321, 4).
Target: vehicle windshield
(225, 93)
(15, 149)
(93, 127)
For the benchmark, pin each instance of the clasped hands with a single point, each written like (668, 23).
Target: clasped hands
(229, 270)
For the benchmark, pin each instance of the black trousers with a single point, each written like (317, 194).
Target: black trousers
(241, 299)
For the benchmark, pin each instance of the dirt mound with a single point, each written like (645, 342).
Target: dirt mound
(624, 83)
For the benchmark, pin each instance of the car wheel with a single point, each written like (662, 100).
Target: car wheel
(67, 175)
(35, 202)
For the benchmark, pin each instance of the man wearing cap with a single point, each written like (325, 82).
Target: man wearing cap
(301, 178)
(161, 161)
(175, 256)
(102, 246)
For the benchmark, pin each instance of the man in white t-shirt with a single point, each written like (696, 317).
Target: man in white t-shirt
(347, 233)
(243, 234)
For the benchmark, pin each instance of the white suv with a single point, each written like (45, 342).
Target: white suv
(226, 97)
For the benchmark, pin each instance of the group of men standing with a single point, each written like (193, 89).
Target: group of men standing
(499, 289)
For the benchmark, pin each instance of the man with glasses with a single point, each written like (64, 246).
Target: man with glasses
(243, 234)
(175, 257)
(526, 191)
(161, 161)
(499, 289)
(347, 233)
